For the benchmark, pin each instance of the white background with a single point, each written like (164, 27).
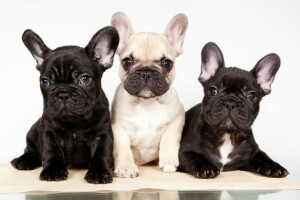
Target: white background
(244, 30)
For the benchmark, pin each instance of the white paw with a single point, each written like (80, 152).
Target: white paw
(126, 172)
(168, 163)
(169, 168)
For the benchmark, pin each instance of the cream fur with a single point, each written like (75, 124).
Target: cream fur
(146, 129)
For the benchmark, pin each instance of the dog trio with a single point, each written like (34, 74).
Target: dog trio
(147, 120)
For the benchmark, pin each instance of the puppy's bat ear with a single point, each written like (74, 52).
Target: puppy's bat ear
(175, 32)
(36, 46)
(265, 71)
(103, 45)
(212, 60)
(121, 22)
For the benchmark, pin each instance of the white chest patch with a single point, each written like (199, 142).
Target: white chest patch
(149, 121)
(225, 149)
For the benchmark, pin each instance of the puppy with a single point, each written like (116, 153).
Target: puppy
(147, 115)
(217, 135)
(75, 126)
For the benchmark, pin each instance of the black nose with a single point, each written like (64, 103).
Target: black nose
(146, 74)
(230, 105)
(64, 96)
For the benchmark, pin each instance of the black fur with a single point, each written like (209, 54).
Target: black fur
(230, 106)
(75, 128)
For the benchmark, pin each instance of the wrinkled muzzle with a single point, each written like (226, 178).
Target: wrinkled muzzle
(229, 114)
(146, 83)
(67, 101)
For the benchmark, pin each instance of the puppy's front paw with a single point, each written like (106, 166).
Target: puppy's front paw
(53, 173)
(272, 169)
(126, 172)
(96, 176)
(26, 162)
(168, 163)
(169, 168)
(206, 170)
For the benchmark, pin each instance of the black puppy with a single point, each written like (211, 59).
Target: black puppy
(217, 135)
(75, 126)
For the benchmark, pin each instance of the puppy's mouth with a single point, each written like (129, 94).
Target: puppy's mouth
(146, 93)
(146, 83)
(228, 125)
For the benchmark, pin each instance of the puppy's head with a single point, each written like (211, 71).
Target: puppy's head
(232, 95)
(147, 59)
(70, 76)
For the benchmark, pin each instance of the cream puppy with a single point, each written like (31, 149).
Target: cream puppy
(147, 115)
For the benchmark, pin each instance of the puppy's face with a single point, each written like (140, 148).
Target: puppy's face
(231, 99)
(147, 59)
(232, 95)
(70, 82)
(147, 65)
(70, 76)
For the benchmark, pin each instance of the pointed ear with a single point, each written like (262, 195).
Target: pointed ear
(103, 45)
(175, 32)
(121, 22)
(265, 71)
(212, 60)
(36, 46)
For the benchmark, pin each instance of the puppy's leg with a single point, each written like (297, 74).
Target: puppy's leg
(196, 165)
(52, 156)
(27, 161)
(101, 150)
(169, 145)
(123, 157)
(263, 164)
(31, 158)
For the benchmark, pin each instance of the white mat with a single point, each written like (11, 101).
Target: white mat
(151, 177)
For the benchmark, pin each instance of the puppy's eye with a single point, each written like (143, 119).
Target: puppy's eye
(252, 96)
(212, 91)
(45, 82)
(127, 62)
(167, 64)
(84, 79)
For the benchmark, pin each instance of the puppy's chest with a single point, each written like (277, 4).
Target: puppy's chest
(149, 123)
(75, 146)
(149, 116)
(225, 149)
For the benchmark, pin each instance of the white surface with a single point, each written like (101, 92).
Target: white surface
(244, 30)
(151, 177)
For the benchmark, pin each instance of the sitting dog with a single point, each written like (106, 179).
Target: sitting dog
(217, 135)
(75, 127)
(147, 115)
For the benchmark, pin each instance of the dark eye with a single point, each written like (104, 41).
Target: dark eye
(84, 79)
(167, 64)
(127, 62)
(45, 82)
(212, 91)
(252, 96)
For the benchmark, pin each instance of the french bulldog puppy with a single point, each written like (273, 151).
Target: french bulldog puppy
(75, 126)
(217, 135)
(147, 115)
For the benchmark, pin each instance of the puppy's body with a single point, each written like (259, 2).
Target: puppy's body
(225, 151)
(217, 135)
(147, 116)
(143, 124)
(75, 128)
